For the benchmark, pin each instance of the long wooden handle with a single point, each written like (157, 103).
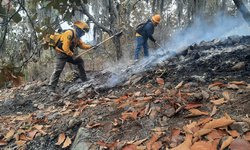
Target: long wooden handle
(118, 33)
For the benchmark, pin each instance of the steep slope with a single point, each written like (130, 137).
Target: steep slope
(152, 104)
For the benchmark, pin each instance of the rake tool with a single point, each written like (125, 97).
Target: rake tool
(117, 34)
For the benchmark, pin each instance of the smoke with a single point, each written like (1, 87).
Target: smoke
(220, 27)
(201, 30)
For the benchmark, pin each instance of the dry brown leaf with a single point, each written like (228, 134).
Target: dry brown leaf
(215, 144)
(61, 139)
(129, 115)
(157, 145)
(227, 116)
(141, 148)
(115, 123)
(202, 132)
(23, 137)
(192, 105)
(214, 110)
(202, 145)
(226, 143)
(157, 92)
(247, 136)
(125, 104)
(39, 128)
(238, 82)
(196, 112)
(204, 121)
(215, 134)
(239, 144)
(9, 135)
(232, 86)
(32, 134)
(148, 98)
(216, 123)
(174, 134)
(153, 139)
(226, 95)
(137, 143)
(234, 133)
(137, 93)
(129, 147)
(111, 146)
(219, 84)
(179, 85)
(77, 113)
(93, 125)
(20, 142)
(3, 143)
(186, 145)
(219, 101)
(67, 142)
(160, 81)
(189, 128)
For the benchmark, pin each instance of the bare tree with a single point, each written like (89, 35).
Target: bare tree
(243, 9)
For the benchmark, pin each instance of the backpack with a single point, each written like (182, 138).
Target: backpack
(140, 27)
(53, 39)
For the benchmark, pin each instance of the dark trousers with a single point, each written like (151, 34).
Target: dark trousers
(61, 60)
(141, 42)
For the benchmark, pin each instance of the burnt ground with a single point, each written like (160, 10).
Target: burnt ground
(158, 97)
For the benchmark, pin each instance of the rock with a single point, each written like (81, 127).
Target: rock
(163, 121)
(83, 94)
(248, 87)
(205, 95)
(153, 114)
(195, 97)
(198, 78)
(40, 115)
(40, 106)
(19, 113)
(191, 85)
(198, 96)
(169, 111)
(215, 88)
(136, 80)
(168, 85)
(240, 127)
(9, 102)
(81, 141)
(74, 122)
(53, 116)
(239, 66)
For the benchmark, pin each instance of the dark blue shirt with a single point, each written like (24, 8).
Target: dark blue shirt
(148, 31)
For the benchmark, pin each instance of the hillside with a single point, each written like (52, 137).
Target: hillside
(196, 98)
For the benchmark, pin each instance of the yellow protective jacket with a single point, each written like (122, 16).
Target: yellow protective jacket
(68, 42)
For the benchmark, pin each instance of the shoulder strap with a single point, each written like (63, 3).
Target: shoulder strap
(73, 33)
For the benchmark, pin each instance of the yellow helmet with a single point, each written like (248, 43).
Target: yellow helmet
(82, 25)
(156, 18)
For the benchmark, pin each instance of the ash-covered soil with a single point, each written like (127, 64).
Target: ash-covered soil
(134, 104)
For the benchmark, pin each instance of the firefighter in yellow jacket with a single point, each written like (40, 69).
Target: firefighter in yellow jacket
(65, 48)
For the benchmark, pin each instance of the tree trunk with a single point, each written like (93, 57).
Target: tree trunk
(243, 9)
